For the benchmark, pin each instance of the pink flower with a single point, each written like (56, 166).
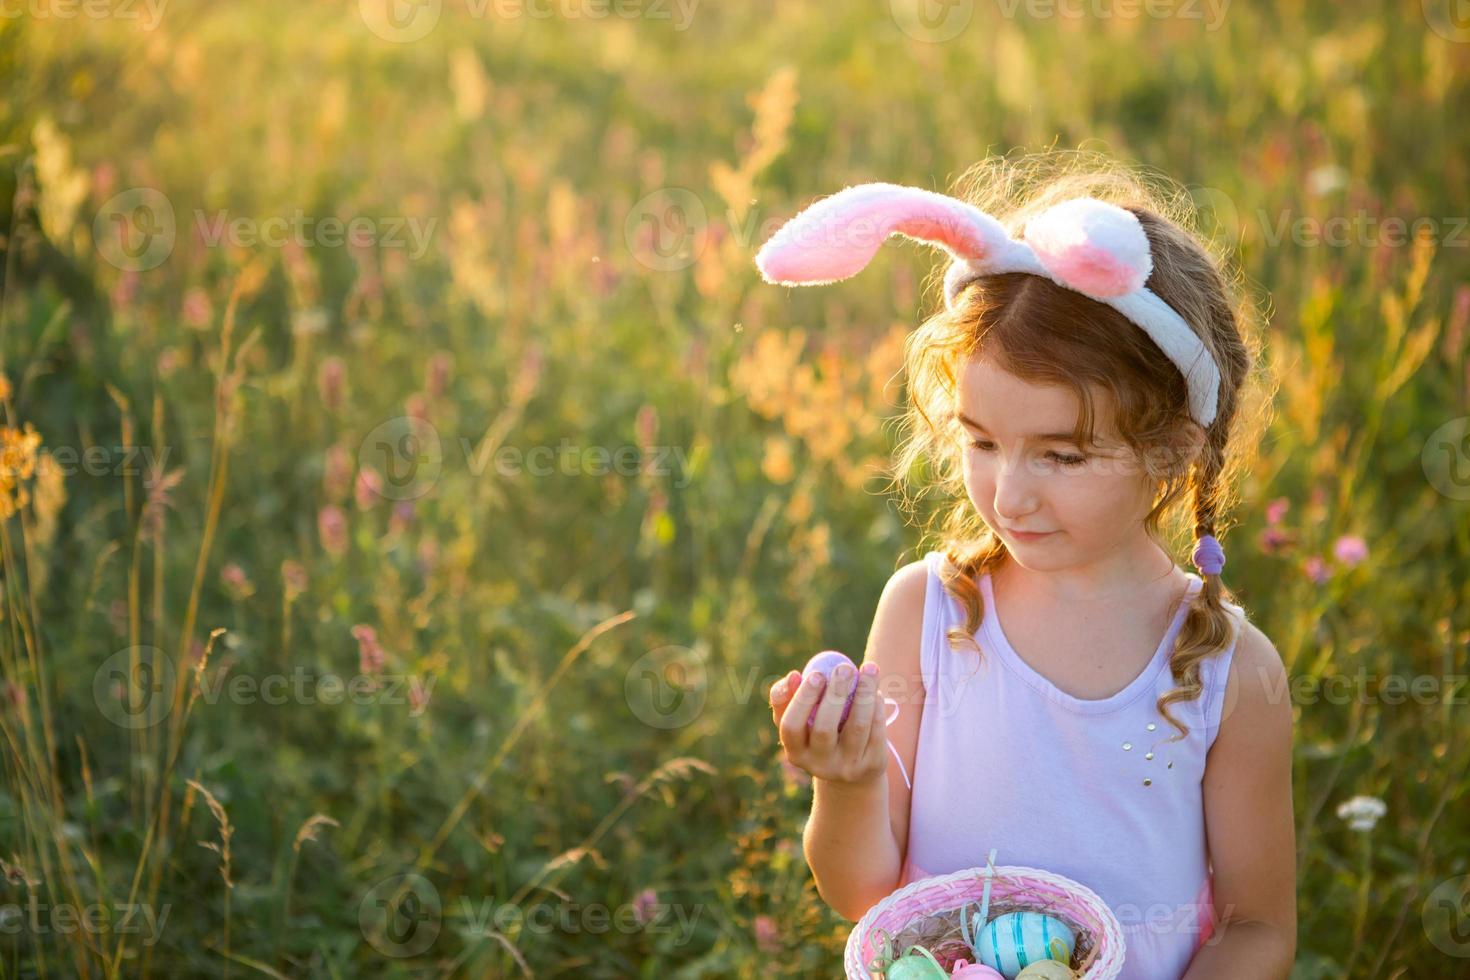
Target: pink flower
(1273, 540)
(336, 473)
(1316, 570)
(197, 309)
(402, 517)
(331, 527)
(436, 377)
(417, 406)
(767, 938)
(370, 655)
(1350, 550)
(236, 582)
(369, 488)
(643, 905)
(428, 556)
(293, 578)
(647, 426)
(331, 380)
(126, 290)
(1275, 509)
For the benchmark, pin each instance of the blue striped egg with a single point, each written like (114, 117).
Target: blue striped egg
(1009, 942)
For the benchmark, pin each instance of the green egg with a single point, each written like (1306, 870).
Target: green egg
(915, 967)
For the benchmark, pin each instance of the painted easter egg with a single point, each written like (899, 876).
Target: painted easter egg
(1047, 970)
(964, 970)
(824, 663)
(915, 966)
(1011, 942)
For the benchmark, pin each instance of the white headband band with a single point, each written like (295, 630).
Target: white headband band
(1089, 246)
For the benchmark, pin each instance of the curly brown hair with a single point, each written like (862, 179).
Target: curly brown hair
(1012, 318)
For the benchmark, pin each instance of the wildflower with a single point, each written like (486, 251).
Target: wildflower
(777, 464)
(17, 464)
(1275, 510)
(402, 517)
(1362, 812)
(528, 375)
(158, 486)
(331, 526)
(117, 616)
(767, 937)
(168, 361)
(336, 473)
(428, 556)
(370, 655)
(293, 579)
(1273, 540)
(125, 291)
(646, 425)
(1350, 550)
(14, 696)
(417, 406)
(418, 697)
(369, 488)
(236, 582)
(1316, 569)
(197, 308)
(436, 375)
(644, 905)
(331, 379)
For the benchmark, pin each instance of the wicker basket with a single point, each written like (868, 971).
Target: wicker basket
(927, 912)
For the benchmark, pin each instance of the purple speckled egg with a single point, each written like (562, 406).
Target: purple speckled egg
(824, 663)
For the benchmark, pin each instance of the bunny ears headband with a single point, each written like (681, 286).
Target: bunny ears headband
(1089, 246)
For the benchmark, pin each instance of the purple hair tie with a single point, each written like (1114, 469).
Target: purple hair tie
(1208, 556)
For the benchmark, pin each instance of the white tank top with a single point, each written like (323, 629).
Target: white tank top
(1089, 789)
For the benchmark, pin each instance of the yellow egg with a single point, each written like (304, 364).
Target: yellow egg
(1046, 970)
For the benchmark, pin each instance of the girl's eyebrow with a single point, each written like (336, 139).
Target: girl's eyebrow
(1045, 436)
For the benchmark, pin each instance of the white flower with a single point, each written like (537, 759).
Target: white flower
(1362, 812)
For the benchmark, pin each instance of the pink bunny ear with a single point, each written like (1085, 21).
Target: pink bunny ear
(838, 236)
(1091, 246)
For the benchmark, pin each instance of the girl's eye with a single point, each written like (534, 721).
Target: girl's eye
(1063, 458)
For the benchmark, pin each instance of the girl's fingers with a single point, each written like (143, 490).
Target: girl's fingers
(793, 722)
(781, 693)
(824, 728)
(854, 735)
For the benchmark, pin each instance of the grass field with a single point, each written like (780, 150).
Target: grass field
(411, 490)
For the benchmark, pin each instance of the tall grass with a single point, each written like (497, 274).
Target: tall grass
(261, 469)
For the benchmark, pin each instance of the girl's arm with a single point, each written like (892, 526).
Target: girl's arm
(857, 835)
(1249, 822)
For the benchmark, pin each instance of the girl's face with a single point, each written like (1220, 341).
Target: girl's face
(1024, 473)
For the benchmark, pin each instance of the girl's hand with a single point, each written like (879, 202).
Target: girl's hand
(858, 753)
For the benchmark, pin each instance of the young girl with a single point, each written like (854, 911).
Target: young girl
(1064, 693)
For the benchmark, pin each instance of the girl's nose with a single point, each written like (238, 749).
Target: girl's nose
(1015, 492)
